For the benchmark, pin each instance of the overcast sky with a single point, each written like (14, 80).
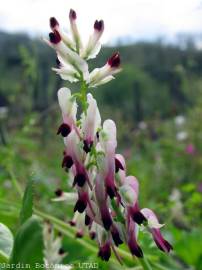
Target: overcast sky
(132, 19)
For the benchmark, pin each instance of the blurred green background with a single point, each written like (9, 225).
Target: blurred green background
(156, 102)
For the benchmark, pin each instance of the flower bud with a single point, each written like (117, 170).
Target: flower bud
(58, 192)
(74, 29)
(81, 203)
(99, 25)
(79, 179)
(116, 236)
(155, 226)
(114, 61)
(105, 74)
(93, 46)
(91, 121)
(53, 23)
(72, 14)
(54, 37)
(119, 163)
(105, 251)
(67, 162)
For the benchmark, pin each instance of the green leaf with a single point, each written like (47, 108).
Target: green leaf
(27, 203)
(6, 242)
(28, 244)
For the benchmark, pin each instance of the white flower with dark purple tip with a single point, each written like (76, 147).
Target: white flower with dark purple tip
(74, 148)
(120, 163)
(129, 193)
(105, 251)
(66, 71)
(75, 152)
(116, 235)
(88, 220)
(82, 202)
(69, 197)
(101, 198)
(108, 142)
(104, 244)
(154, 227)
(132, 239)
(78, 222)
(90, 123)
(68, 107)
(92, 231)
(70, 61)
(67, 161)
(75, 31)
(93, 46)
(105, 74)
(54, 25)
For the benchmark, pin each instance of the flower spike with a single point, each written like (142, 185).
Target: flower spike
(105, 198)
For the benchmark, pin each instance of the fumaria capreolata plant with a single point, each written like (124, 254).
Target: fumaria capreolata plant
(106, 198)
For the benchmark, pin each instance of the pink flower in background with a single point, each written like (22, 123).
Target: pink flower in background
(190, 149)
(200, 187)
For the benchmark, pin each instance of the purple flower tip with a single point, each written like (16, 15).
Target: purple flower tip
(138, 217)
(80, 206)
(87, 146)
(164, 246)
(79, 179)
(61, 251)
(118, 165)
(67, 162)
(58, 192)
(106, 219)
(79, 234)
(116, 236)
(114, 61)
(58, 63)
(105, 252)
(87, 220)
(99, 25)
(64, 130)
(72, 14)
(54, 37)
(135, 250)
(72, 223)
(53, 23)
(111, 191)
(92, 235)
(161, 243)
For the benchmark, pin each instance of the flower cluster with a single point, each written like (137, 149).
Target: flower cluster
(106, 198)
(53, 253)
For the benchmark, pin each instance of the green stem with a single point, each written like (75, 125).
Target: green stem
(145, 264)
(159, 267)
(83, 95)
(54, 220)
